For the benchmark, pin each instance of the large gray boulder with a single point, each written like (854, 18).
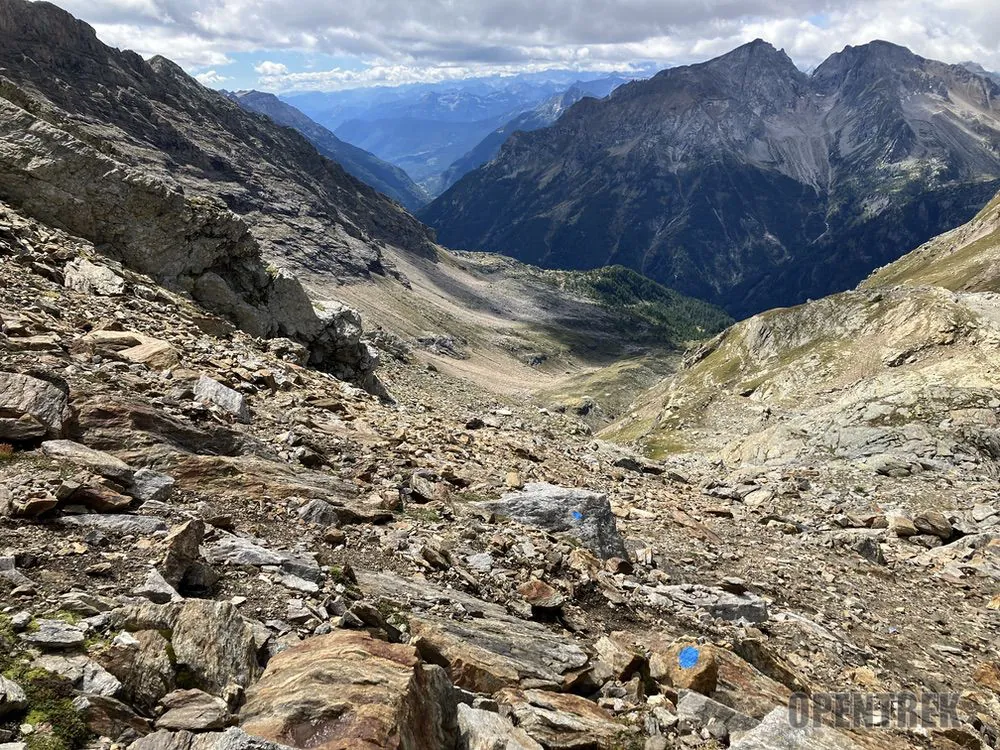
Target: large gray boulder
(584, 514)
(30, 408)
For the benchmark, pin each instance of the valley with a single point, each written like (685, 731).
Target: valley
(283, 468)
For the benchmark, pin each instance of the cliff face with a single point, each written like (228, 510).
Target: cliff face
(742, 180)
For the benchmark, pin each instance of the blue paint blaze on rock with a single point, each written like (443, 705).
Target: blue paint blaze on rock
(688, 657)
(577, 515)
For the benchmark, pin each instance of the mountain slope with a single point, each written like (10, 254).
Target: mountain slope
(541, 116)
(966, 259)
(896, 377)
(742, 180)
(384, 177)
(57, 78)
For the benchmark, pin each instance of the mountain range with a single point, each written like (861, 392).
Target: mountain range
(384, 177)
(428, 130)
(743, 180)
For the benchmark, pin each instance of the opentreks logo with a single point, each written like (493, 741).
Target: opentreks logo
(902, 710)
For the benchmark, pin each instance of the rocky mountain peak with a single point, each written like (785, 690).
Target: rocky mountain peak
(45, 23)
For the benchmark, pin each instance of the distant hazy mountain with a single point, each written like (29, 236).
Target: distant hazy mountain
(424, 129)
(743, 180)
(980, 70)
(379, 174)
(541, 116)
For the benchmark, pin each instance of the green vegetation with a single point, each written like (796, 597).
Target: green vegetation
(59, 726)
(666, 314)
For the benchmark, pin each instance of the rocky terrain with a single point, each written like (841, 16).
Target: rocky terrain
(107, 145)
(384, 177)
(742, 180)
(222, 527)
(201, 537)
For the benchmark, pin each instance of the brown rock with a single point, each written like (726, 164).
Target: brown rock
(934, 523)
(348, 691)
(987, 674)
(540, 595)
(686, 665)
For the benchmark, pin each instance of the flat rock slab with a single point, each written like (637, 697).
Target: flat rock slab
(559, 721)
(54, 634)
(488, 649)
(583, 514)
(194, 711)
(97, 461)
(349, 691)
(120, 524)
(719, 603)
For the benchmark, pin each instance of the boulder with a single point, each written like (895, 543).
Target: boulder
(483, 653)
(775, 732)
(141, 661)
(89, 278)
(232, 739)
(193, 711)
(152, 486)
(97, 461)
(934, 523)
(348, 691)
(12, 697)
(209, 391)
(181, 551)
(214, 645)
(583, 514)
(559, 721)
(86, 674)
(30, 408)
(697, 711)
(686, 665)
(484, 730)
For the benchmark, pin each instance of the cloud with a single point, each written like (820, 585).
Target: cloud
(211, 78)
(269, 69)
(400, 39)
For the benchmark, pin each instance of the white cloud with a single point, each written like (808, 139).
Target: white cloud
(270, 69)
(394, 38)
(211, 78)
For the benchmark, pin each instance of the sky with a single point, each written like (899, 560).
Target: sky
(288, 45)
